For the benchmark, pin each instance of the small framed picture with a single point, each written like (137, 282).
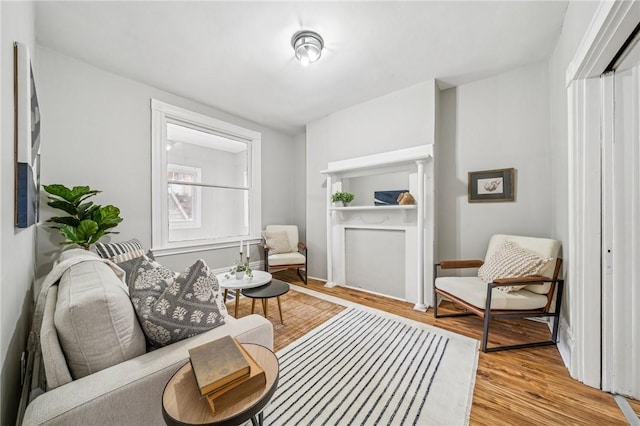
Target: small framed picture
(488, 186)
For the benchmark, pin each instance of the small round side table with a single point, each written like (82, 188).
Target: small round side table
(231, 283)
(275, 288)
(183, 405)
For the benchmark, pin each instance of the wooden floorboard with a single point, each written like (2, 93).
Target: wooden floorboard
(520, 387)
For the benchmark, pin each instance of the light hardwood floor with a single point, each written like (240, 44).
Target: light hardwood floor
(521, 387)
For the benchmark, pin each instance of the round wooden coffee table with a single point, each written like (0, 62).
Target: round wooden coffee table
(183, 405)
(275, 288)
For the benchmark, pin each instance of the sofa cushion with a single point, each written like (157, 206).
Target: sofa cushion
(123, 254)
(172, 309)
(474, 291)
(94, 319)
(293, 258)
(543, 247)
(120, 252)
(511, 260)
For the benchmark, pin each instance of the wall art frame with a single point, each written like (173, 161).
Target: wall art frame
(491, 186)
(27, 139)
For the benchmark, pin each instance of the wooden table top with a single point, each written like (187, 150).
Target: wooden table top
(182, 403)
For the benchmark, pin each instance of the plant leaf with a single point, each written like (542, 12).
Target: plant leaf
(96, 237)
(60, 191)
(86, 230)
(64, 206)
(65, 220)
(78, 192)
(69, 232)
(109, 217)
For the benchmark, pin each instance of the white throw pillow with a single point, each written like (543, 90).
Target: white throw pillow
(511, 260)
(278, 242)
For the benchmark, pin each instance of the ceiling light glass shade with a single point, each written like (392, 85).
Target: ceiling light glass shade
(308, 46)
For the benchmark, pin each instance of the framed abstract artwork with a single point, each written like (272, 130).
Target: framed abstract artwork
(492, 186)
(27, 139)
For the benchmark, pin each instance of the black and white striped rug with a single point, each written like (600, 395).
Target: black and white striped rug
(371, 368)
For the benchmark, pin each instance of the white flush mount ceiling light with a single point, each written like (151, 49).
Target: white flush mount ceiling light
(308, 46)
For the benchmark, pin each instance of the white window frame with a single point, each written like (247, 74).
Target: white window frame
(161, 114)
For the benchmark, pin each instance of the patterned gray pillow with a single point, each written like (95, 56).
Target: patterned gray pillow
(171, 309)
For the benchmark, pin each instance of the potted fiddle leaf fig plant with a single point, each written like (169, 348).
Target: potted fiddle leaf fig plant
(86, 222)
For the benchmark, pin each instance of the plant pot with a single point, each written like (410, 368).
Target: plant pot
(338, 204)
(239, 275)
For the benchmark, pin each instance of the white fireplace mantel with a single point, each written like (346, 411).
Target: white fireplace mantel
(415, 221)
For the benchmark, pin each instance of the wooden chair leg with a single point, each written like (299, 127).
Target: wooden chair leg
(265, 307)
(280, 309)
(226, 291)
(253, 305)
(237, 302)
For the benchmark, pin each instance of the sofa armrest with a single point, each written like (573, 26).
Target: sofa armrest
(130, 393)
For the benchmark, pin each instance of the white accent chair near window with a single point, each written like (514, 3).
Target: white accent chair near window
(283, 250)
(517, 279)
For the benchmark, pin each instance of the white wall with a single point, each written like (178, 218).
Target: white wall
(494, 123)
(300, 185)
(576, 21)
(96, 131)
(17, 245)
(401, 119)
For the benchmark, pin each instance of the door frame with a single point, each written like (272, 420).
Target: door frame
(611, 25)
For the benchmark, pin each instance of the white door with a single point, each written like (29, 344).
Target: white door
(621, 227)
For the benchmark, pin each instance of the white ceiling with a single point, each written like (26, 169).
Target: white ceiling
(237, 57)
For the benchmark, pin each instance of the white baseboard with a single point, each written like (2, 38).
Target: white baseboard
(565, 343)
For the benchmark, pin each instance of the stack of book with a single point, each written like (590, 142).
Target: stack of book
(225, 372)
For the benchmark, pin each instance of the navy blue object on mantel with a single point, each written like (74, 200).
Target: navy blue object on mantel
(387, 198)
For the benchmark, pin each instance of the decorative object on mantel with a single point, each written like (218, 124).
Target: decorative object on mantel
(342, 198)
(27, 140)
(492, 186)
(241, 268)
(406, 199)
(87, 222)
(387, 198)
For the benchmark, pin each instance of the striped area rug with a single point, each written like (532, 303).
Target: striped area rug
(372, 368)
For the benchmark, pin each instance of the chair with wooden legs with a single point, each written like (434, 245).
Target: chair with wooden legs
(517, 279)
(283, 250)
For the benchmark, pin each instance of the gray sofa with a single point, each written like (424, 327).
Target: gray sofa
(93, 351)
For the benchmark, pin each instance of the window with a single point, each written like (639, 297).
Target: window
(206, 181)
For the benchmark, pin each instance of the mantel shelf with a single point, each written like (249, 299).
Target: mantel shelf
(390, 207)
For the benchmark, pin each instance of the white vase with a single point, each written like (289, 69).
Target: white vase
(239, 275)
(338, 204)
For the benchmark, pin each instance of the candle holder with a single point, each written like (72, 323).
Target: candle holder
(240, 269)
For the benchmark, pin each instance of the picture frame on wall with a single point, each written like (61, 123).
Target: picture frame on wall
(487, 186)
(27, 139)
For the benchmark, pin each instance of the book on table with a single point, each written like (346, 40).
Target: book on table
(219, 363)
(236, 391)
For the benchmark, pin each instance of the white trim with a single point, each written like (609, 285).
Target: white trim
(612, 23)
(197, 119)
(583, 268)
(390, 158)
(161, 114)
(418, 227)
(195, 246)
